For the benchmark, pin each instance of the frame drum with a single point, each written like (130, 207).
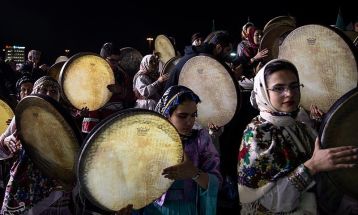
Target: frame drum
(325, 61)
(84, 79)
(130, 59)
(55, 70)
(6, 113)
(338, 129)
(273, 38)
(216, 87)
(123, 158)
(49, 136)
(170, 65)
(165, 48)
(281, 20)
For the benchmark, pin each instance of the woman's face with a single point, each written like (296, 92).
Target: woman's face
(25, 89)
(257, 37)
(283, 90)
(184, 116)
(153, 64)
(49, 91)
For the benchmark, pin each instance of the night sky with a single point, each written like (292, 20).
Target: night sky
(53, 26)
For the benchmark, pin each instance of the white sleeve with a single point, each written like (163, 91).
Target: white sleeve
(283, 197)
(145, 88)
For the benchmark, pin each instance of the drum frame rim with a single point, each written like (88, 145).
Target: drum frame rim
(61, 110)
(64, 67)
(326, 119)
(93, 134)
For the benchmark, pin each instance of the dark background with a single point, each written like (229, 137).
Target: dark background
(53, 26)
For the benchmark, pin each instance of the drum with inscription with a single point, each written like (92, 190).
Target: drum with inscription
(130, 59)
(123, 158)
(49, 136)
(325, 61)
(168, 68)
(84, 79)
(338, 129)
(6, 114)
(165, 48)
(216, 87)
(55, 70)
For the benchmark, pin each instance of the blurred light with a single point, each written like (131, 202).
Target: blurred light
(232, 54)
(150, 38)
(67, 50)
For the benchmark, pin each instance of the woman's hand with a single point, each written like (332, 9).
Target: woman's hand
(163, 78)
(316, 113)
(261, 54)
(12, 144)
(185, 170)
(8, 121)
(332, 158)
(125, 211)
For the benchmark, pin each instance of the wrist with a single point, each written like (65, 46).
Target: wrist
(197, 175)
(310, 167)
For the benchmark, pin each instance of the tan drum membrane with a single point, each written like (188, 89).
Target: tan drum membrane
(123, 160)
(325, 62)
(48, 138)
(84, 79)
(216, 88)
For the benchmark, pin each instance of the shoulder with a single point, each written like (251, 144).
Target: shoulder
(258, 131)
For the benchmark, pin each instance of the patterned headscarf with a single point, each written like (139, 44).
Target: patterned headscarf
(46, 81)
(260, 100)
(172, 98)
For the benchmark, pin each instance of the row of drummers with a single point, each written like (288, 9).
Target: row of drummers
(88, 82)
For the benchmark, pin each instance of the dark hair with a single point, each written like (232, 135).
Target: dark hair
(280, 65)
(196, 36)
(218, 37)
(109, 49)
(187, 96)
(23, 79)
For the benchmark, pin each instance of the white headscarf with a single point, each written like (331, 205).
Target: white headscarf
(261, 100)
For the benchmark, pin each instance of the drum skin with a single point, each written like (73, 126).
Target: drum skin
(84, 79)
(49, 136)
(165, 48)
(6, 113)
(338, 129)
(216, 87)
(123, 158)
(325, 62)
(130, 59)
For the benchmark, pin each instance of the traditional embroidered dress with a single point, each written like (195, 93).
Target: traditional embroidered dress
(272, 178)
